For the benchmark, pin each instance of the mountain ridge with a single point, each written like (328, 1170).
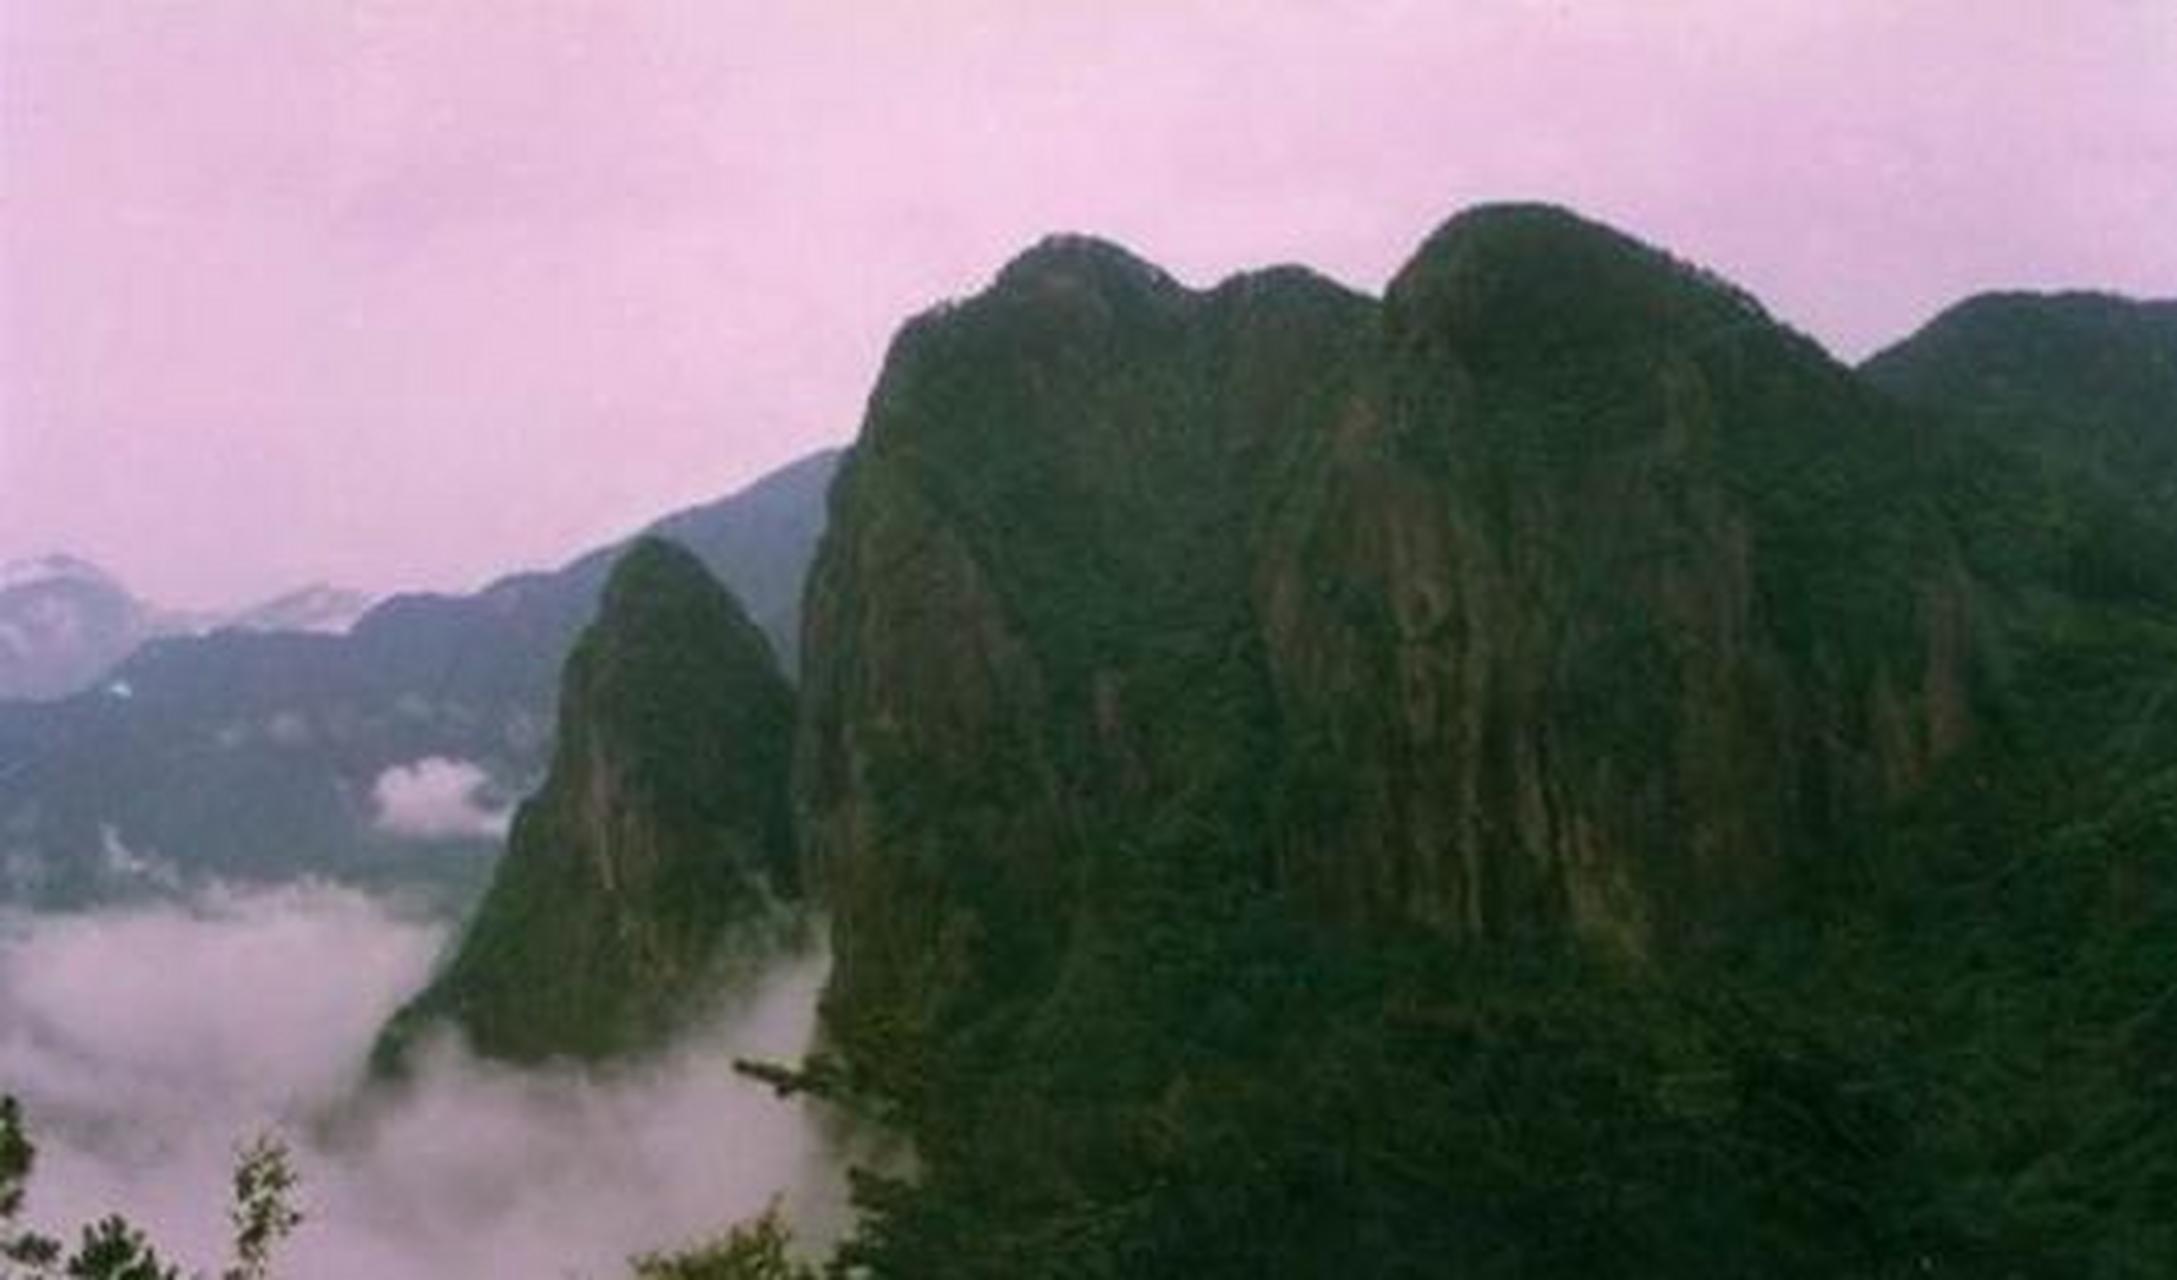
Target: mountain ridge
(66, 623)
(1183, 423)
(1547, 769)
(251, 754)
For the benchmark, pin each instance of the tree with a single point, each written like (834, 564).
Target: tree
(23, 1252)
(759, 1249)
(263, 1212)
(112, 1248)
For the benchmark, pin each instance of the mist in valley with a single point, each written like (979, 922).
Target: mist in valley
(147, 1042)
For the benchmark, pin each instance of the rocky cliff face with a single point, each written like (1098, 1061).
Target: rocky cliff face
(1604, 607)
(1028, 631)
(661, 829)
(1562, 593)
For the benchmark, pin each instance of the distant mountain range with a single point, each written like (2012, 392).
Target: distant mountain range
(288, 741)
(65, 622)
(317, 607)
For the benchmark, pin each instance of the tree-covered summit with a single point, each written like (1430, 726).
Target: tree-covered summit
(660, 832)
(1546, 773)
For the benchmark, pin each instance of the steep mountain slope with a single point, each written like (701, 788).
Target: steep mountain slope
(1562, 593)
(662, 824)
(257, 755)
(1029, 614)
(1609, 605)
(1545, 774)
(2034, 900)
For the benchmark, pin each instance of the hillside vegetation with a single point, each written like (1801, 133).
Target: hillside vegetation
(1545, 774)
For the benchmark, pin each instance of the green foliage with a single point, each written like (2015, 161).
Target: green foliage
(759, 1249)
(112, 1248)
(20, 1247)
(1217, 1090)
(264, 1212)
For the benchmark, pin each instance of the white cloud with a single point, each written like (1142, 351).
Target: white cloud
(121, 862)
(436, 799)
(146, 1042)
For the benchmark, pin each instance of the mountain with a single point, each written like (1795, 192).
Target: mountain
(661, 826)
(386, 753)
(1546, 772)
(2082, 386)
(63, 623)
(1561, 592)
(2089, 378)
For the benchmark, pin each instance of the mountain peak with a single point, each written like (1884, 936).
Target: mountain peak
(64, 622)
(1523, 234)
(55, 566)
(660, 830)
(2087, 377)
(2022, 327)
(1069, 261)
(1537, 276)
(652, 567)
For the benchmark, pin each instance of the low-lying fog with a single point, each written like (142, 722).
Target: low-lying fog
(147, 1042)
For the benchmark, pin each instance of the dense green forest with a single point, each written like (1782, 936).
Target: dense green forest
(1549, 774)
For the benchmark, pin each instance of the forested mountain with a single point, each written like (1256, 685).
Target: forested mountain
(388, 753)
(661, 827)
(1562, 595)
(1546, 773)
(2086, 378)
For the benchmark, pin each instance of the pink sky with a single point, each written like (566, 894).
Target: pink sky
(407, 294)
